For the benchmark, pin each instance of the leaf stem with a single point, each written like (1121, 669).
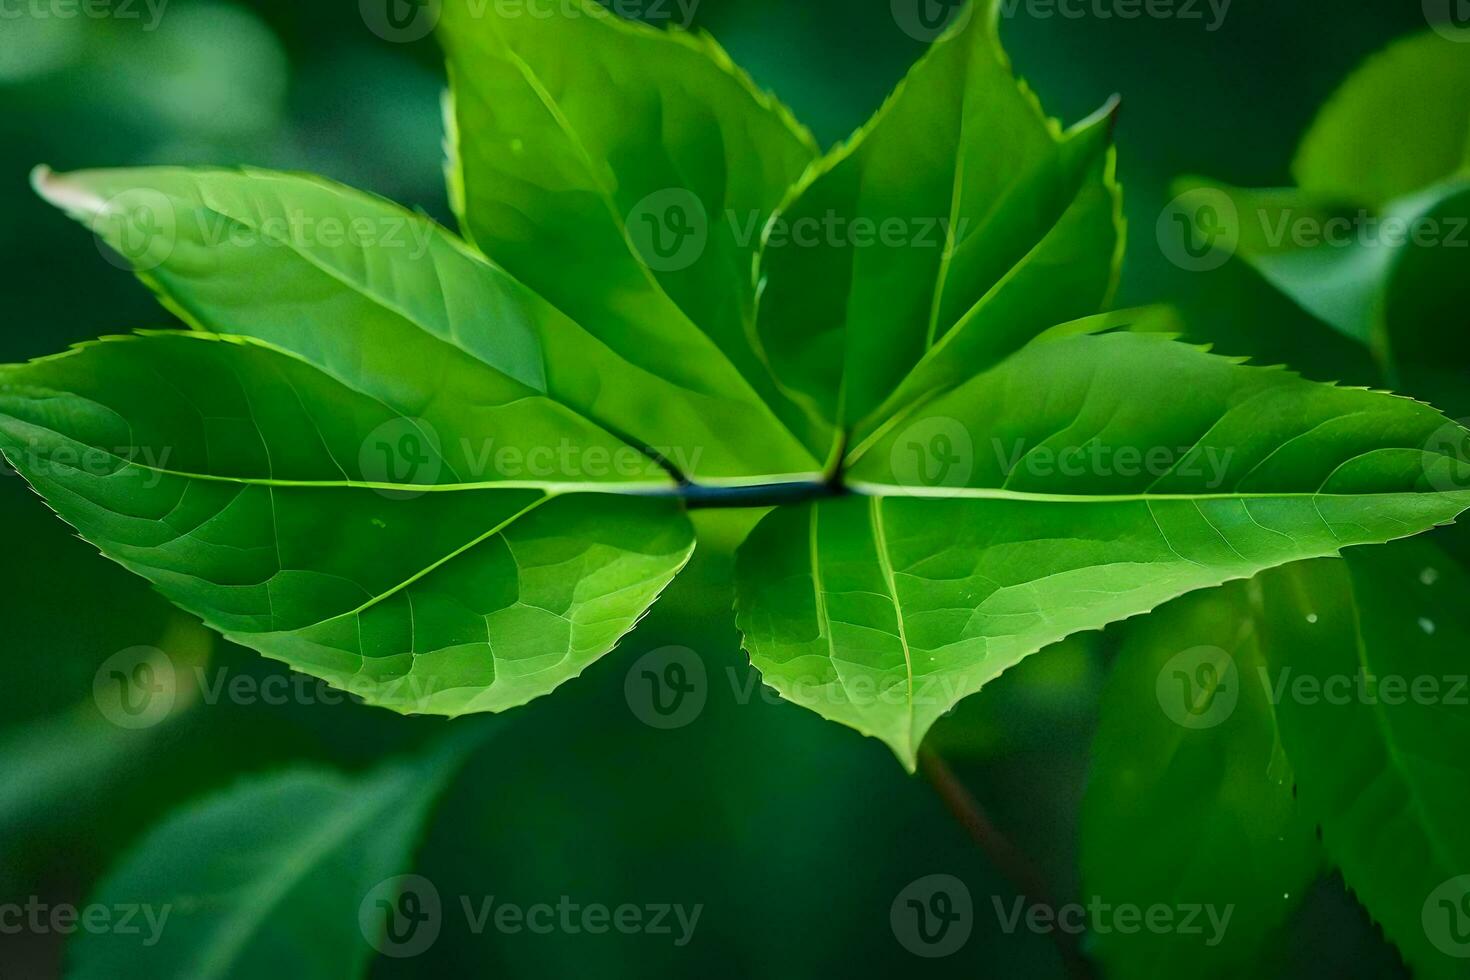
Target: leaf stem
(1008, 859)
(766, 495)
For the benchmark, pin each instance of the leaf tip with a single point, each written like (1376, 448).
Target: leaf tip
(1111, 110)
(68, 195)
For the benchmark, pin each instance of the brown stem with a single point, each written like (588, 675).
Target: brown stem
(1008, 859)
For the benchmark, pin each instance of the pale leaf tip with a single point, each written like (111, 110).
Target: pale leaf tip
(69, 196)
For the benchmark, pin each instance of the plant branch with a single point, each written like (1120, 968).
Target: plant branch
(698, 497)
(1003, 853)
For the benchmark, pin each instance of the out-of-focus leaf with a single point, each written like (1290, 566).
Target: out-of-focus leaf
(1391, 280)
(264, 879)
(56, 764)
(1427, 300)
(1369, 674)
(1400, 123)
(1190, 803)
(1376, 240)
(1048, 697)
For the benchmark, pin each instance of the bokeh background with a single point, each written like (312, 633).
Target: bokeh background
(794, 834)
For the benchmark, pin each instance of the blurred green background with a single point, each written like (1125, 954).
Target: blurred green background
(794, 834)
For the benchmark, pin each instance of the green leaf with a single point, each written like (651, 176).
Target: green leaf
(1190, 802)
(988, 225)
(1369, 673)
(397, 307)
(1426, 298)
(1047, 699)
(57, 766)
(1398, 125)
(311, 522)
(1281, 235)
(260, 880)
(625, 173)
(1086, 480)
(1374, 242)
(1390, 290)
(61, 767)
